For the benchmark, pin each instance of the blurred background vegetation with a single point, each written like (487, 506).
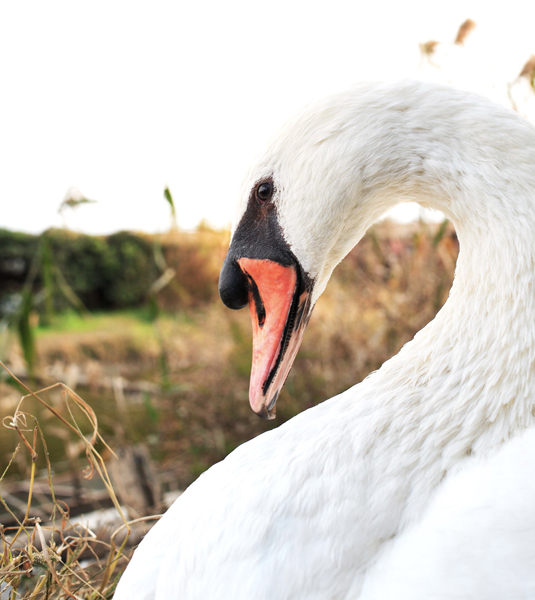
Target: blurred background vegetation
(142, 314)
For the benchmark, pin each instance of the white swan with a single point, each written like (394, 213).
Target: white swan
(418, 483)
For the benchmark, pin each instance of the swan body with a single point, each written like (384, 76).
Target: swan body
(418, 482)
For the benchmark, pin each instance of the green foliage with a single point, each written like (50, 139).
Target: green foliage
(80, 259)
(169, 198)
(24, 328)
(17, 251)
(114, 272)
(129, 270)
(47, 268)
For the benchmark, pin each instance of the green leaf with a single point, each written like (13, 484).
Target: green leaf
(24, 329)
(169, 198)
(47, 279)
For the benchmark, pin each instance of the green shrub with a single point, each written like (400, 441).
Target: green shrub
(108, 272)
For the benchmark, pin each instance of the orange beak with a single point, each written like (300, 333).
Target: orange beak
(279, 321)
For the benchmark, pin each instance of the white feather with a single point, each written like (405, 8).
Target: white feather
(416, 483)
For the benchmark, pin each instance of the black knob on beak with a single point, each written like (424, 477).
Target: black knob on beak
(233, 287)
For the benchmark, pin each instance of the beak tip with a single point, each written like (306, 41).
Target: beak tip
(271, 414)
(264, 408)
(265, 412)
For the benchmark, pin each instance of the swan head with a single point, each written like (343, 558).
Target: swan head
(333, 171)
(298, 216)
(261, 270)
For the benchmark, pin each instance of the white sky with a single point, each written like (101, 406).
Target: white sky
(121, 98)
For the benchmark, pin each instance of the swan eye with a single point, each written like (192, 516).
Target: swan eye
(264, 191)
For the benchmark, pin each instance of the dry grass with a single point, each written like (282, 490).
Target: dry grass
(59, 558)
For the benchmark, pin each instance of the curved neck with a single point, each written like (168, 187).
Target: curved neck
(474, 364)
(443, 149)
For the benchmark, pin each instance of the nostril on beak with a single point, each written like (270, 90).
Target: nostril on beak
(233, 288)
